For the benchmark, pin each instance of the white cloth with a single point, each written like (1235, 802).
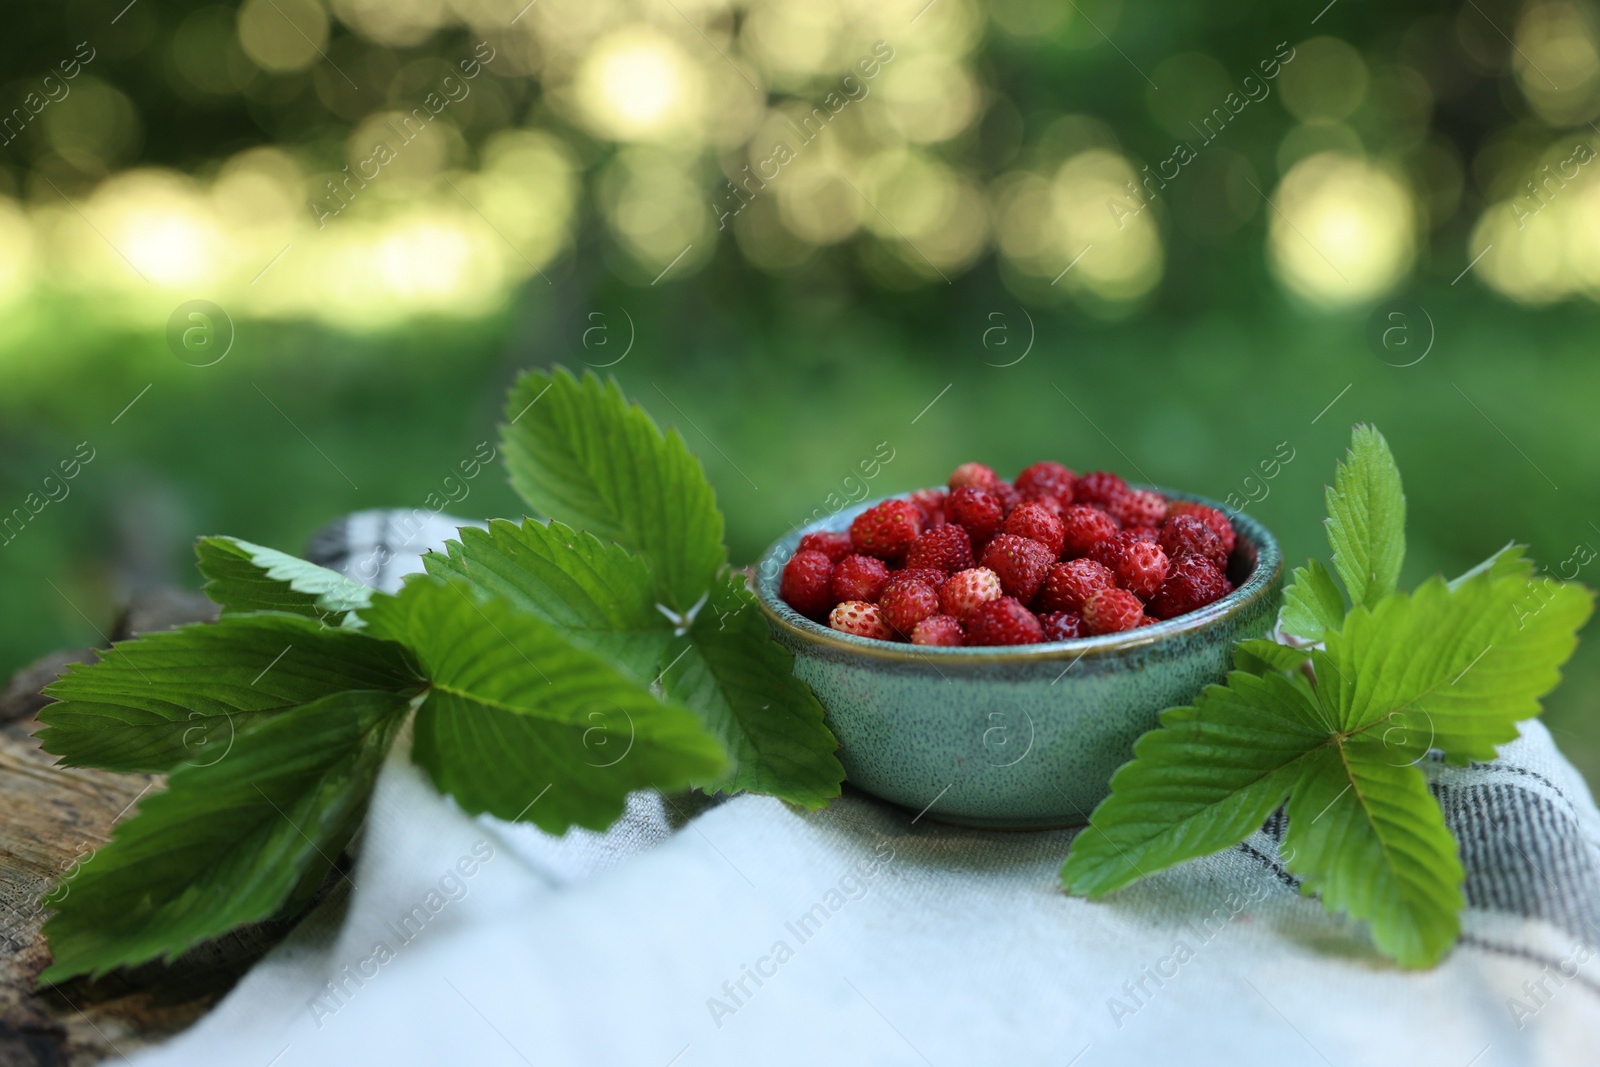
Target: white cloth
(755, 933)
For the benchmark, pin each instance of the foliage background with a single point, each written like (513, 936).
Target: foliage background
(567, 209)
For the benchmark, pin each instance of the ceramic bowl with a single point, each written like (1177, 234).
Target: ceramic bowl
(1017, 737)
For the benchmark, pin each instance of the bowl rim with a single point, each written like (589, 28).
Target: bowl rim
(768, 572)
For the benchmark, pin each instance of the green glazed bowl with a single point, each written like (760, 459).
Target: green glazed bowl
(1019, 737)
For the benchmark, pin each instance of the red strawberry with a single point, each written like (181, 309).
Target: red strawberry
(862, 619)
(947, 548)
(1035, 521)
(1046, 479)
(931, 503)
(1142, 567)
(939, 630)
(1003, 621)
(1190, 535)
(1051, 504)
(930, 575)
(1084, 527)
(1009, 497)
(1062, 626)
(1068, 585)
(806, 582)
(1099, 488)
(1020, 562)
(1193, 582)
(859, 578)
(1138, 507)
(835, 546)
(963, 592)
(1145, 533)
(977, 510)
(907, 602)
(1210, 516)
(886, 530)
(1110, 551)
(1110, 610)
(978, 475)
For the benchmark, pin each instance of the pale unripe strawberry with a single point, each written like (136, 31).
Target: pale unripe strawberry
(862, 619)
(963, 592)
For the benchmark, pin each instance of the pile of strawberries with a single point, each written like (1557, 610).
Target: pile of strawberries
(1049, 557)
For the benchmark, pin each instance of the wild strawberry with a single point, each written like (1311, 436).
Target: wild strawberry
(806, 582)
(1020, 562)
(886, 530)
(977, 475)
(1083, 527)
(858, 578)
(1003, 621)
(1068, 585)
(1061, 626)
(931, 503)
(907, 602)
(1210, 516)
(1192, 582)
(1138, 507)
(1141, 568)
(862, 619)
(977, 510)
(1046, 479)
(1099, 488)
(945, 548)
(1110, 610)
(932, 576)
(1008, 497)
(835, 546)
(1035, 521)
(1189, 535)
(939, 630)
(1051, 504)
(963, 592)
(1109, 551)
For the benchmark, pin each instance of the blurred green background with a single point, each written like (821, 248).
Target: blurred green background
(1171, 240)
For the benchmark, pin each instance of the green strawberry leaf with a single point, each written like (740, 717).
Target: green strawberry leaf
(226, 843)
(1204, 781)
(1367, 837)
(579, 453)
(1457, 668)
(246, 577)
(1259, 656)
(1312, 605)
(182, 696)
(1453, 666)
(1367, 518)
(597, 594)
(525, 724)
(728, 668)
(1510, 561)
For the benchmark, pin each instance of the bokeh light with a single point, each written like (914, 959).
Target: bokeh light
(1326, 79)
(1557, 62)
(1542, 243)
(637, 85)
(1343, 231)
(16, 253)
(283, 35)
(776, 130)
(1087, 229)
